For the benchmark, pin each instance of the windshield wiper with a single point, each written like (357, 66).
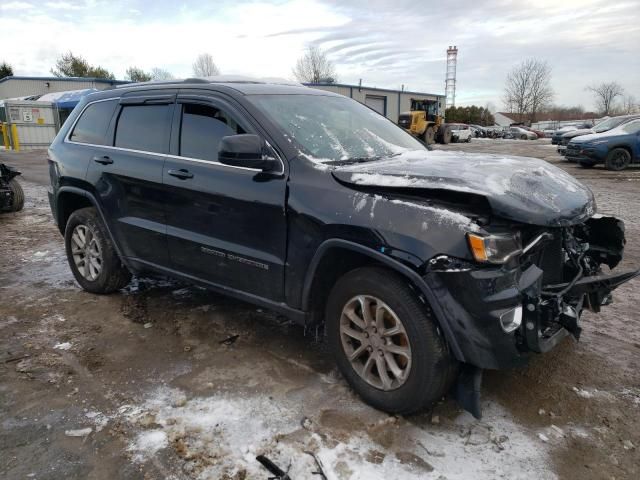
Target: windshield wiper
(354, 160)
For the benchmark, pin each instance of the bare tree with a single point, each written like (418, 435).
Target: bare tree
(158, 74)
(630, 105)
(204, 66)
(315, 67)
(606, 94)
(528, 89)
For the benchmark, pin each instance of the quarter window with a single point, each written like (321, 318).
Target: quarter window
(203, 127)
(92, 125)
(143, 127)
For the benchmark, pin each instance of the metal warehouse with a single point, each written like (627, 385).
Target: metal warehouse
(389, 103)
(16, 87)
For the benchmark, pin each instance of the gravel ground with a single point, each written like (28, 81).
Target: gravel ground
(142, 384)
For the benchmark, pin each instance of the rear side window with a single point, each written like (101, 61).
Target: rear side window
(632, 127)
(203, 126)
(92, 125)
(143, 127)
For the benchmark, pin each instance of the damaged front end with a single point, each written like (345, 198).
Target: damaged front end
(500, 314)
(563, 275)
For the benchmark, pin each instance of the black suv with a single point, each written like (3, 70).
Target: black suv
(424, 267)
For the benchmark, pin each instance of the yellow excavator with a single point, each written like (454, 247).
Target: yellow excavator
(425, 122)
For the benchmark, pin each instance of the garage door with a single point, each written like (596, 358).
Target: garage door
(379, 104)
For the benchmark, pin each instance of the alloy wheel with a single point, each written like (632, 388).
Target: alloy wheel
(86, 252)
(375, 342)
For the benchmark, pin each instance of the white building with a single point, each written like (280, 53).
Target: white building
(390, 103)
(17, 87)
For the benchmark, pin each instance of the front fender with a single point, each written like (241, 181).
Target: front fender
(413, 277)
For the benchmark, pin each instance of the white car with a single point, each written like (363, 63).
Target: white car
(522, 134)
(460, 132)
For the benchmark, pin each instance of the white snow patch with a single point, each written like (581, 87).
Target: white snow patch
(237, 428)
(583, 393)
(148, 443)
(63, 346)
(444, 216)
(82, 432)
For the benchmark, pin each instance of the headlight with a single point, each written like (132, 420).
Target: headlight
(596, 142)
(494, 248)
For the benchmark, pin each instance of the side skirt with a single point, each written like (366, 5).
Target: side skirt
(298, 316)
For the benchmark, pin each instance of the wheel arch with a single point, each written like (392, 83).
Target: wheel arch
(322, 273)
(69, 199)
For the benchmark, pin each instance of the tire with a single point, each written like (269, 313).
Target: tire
(445, 135)
(617, 159)
(105, 274)
(18, 195)
(428, 372)
(523, 137)
(430, 136)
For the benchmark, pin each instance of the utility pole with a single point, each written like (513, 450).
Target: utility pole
(450, 85)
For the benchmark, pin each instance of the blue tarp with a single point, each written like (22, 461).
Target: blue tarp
(66, 99)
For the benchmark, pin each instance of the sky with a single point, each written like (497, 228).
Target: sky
(385, 43)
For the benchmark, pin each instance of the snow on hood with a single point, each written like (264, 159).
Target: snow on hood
(614, 132)
(523, 189)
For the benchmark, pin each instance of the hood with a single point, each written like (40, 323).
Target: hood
(577, 133)
(615, 132)
(525, 190)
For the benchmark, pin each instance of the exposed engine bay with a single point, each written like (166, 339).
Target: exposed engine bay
(571, 260)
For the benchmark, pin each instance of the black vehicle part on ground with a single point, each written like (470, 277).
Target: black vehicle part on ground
(11, 193)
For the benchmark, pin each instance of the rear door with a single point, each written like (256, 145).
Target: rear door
(225, 225)
(127, 174)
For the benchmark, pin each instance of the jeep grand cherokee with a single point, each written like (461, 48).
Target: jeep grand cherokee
(424, 267)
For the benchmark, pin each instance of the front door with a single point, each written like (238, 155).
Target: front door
(225, 225)
(127, 174)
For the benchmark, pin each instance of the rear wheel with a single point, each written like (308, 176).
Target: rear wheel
(429, 135)
(523, 137)
(386, 343)
(18, 195)
(91, 255)
(618, 159)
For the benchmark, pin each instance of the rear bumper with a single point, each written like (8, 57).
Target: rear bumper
(473, 300)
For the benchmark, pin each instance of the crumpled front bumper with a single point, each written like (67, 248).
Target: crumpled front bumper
(473, 299)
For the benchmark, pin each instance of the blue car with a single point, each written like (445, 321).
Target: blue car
(616, 148)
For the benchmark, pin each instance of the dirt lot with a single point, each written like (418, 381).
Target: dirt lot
(143, 385)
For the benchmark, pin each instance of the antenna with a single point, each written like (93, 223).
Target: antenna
(450, 88)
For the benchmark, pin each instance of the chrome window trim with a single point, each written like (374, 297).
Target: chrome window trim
(67, 139)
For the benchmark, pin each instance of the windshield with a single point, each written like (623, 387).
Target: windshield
(608, 124)
(331, 129)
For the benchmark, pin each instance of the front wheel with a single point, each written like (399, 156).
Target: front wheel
(386, 343)
(429, 135)
(446, 135)
(91, 255)
(618, 159)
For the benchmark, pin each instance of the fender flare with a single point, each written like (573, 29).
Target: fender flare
(89, 196)
(393, 264)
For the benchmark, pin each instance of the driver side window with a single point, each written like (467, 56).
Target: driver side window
(201, 130)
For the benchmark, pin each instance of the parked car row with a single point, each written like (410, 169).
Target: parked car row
(614, 142)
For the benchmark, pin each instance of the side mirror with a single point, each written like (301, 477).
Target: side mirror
(246, 150)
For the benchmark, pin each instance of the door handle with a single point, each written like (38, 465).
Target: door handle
(182, 174)
(105, 160)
